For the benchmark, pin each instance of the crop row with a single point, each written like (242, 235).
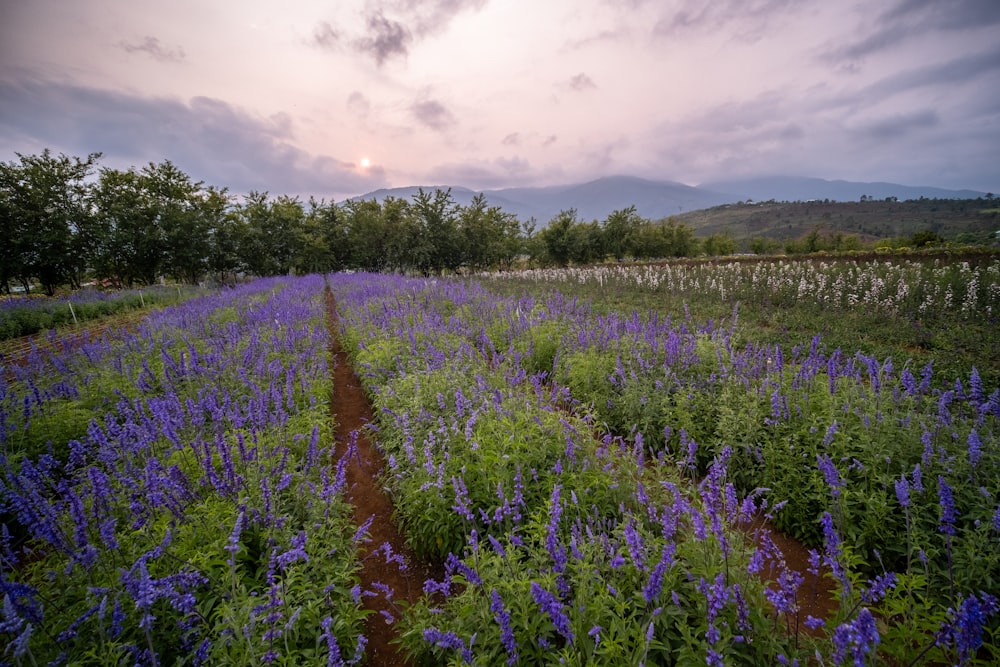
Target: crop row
(23, 316)
(168, 496)
(910, 288)
(567, 543)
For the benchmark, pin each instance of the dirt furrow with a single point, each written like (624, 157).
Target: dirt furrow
(381, 573)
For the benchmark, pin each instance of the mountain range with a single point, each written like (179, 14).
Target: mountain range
(655, 200)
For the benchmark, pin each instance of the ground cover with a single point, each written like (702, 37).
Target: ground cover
(936, 308)
(23, 315)
(444, 362)
(191, 518)
(592, 478)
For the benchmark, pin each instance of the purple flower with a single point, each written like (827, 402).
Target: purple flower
(551, 605)
(975, 448)
(859, 637)
(636, 549)
(918, 479)
(976, 392)
(556, 551)
(651, 592)
(964, 628)
(361, 534)
(830, 432)
(903, 491)
(691, 448)
(784, 598)
(444, 639)
(502, 617)
(461, 499)
(830, 474)
(947, 503)
(814, 623)
(333, 658)
(944, 410)
(878, 588)
(470, 575)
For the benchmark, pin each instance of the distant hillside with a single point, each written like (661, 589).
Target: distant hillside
(787, 188)
(656, 200)
(593, 200)
(977, 219)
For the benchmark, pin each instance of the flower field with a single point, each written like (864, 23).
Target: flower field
(593, 482)
(590, 479)
(168, 496)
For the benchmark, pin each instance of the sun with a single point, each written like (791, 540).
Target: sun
(365, 163)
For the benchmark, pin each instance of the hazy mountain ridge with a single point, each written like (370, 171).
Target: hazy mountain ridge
(654, 200)
(793, 188)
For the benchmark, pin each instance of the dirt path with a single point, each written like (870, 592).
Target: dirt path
(817, 595)
(381, 571)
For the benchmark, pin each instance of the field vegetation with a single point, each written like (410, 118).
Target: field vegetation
(590, 471)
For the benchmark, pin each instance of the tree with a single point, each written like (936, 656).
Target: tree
(439, 231)
(925, 238)
(225, 233)
(670, 239)
(405, 244)
(176, 201)
(273, 233)
(488, 235)
(719, 244)
(557, 237)
(586, 243)
(12, 266)
(45, 212)
(324, 239)
(620, 229)
(365, 235)
(128, 241)
(762, 245)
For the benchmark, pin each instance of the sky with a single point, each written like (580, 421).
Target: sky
(338, 98)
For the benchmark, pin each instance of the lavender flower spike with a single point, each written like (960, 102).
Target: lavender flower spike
(551, 605)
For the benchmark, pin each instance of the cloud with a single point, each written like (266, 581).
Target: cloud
(433, 114)
(385, 38)
(512, 139)
(429, 16)
(950, 73)
(326, 36)
(909, 19)
(492, 173)
(582, 82)
(358, 104)
(749, 18)
(211, 140)
(858, 138)
(899, 124)
(152, 47)
(392, 27)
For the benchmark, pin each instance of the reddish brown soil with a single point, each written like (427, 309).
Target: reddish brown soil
(352, 412)
(816, 596)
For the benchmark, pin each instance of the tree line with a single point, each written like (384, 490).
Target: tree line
(65, 220)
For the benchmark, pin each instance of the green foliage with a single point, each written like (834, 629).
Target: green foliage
(165, 519)
(27, 316)
(44, 219)
(719, 244)
(607, 625)
(538, 346)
